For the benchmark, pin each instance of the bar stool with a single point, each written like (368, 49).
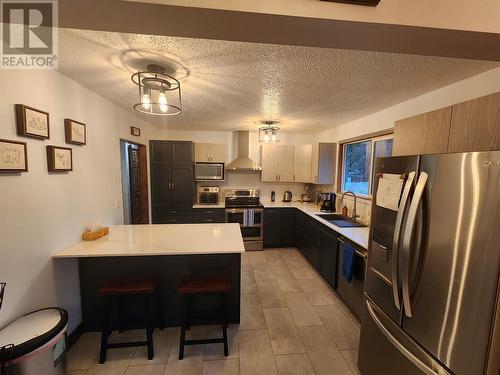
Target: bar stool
(204, 285)
(118, 290)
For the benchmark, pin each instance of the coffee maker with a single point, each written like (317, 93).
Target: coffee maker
(327, 202)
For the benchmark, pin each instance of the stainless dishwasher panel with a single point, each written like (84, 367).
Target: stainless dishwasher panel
(352, 293)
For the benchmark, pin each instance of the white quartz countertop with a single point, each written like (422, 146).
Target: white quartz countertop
(161, 239)
(219, 205)
(358, 235)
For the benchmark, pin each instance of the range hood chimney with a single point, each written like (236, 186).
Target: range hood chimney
(243, 161)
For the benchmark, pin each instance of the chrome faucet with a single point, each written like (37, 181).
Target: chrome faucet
(354, 216)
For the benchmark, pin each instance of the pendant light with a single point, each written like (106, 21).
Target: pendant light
(157, 92)
(269, 132)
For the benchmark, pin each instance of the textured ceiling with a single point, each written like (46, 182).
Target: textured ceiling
(231, 85)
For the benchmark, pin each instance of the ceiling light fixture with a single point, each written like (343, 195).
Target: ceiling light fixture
(154, 86)
(269, 132)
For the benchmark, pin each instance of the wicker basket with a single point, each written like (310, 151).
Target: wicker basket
(91, 236)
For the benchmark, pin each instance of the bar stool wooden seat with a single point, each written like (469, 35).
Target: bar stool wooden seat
(203, 285)
(118, 289)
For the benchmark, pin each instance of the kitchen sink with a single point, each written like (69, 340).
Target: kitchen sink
(340, 220)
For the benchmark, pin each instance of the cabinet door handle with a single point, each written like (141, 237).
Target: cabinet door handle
(173, 185)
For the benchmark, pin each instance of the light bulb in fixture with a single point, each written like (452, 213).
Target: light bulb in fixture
(146, 98)
(273, 137)
(266, 136)
(162, 100)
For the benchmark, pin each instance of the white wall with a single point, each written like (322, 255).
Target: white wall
(42, 213)
(482, 84)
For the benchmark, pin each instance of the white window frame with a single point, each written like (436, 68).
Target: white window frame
(372, 162)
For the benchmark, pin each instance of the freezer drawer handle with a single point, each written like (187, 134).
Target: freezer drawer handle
(408, 236)
(396, 239)
(409, 355)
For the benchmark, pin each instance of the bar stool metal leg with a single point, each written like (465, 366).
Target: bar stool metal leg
(224, 324)
(183, 328)
(105, 329)
(149, 326)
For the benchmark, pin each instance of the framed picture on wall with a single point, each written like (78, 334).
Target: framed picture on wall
(135, 131)
(59, 159)
(13, 156)
(32, 122)
(75, 132)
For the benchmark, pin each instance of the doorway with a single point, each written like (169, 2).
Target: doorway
(134, 183)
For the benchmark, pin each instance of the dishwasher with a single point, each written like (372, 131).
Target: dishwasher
(352, 291)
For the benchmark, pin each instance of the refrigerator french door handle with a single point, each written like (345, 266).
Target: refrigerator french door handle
(409, 355)
(395, 241)
(407, 239)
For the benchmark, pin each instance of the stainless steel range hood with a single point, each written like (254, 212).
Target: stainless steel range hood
(243, 161)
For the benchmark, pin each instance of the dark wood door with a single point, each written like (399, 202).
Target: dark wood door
(160, 151)
(272, 227)
(182, 153)
(183, 186)
(287, 237)
(329, 258)
(135, 184)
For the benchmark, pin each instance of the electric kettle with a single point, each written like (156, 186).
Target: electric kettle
(287, 197)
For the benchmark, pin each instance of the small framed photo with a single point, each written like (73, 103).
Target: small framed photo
(75, 132)
(135, 131)
(13, 156)
(59, 159)
(32, 122)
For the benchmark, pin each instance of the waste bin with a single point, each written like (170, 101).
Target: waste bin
(35, 344)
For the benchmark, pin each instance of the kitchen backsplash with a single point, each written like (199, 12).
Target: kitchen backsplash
(251, 180)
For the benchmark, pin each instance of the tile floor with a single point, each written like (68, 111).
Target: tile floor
(291, 323)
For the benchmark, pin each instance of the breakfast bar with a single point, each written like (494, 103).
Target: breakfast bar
(165, 251)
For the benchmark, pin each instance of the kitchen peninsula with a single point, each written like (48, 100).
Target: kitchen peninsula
(168, 252)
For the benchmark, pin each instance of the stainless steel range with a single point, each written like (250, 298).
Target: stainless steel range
(243, 207)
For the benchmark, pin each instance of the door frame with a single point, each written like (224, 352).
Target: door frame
(144, 178)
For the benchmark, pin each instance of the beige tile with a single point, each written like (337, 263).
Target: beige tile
(282, 332)
(263, 272)
(303, 314)
(84, 351)
(258, 258)
(302, 272)
(274, 257)
(117, 361)
(192, 363)
(255, 343)
(296, 260)
(294, 364)
(216, 351)
(162, 343)
(341, 328)
(270, 294)
(146, 370)
(317, 293)
(126, 336)
(78, 372)
(286, 281)
(221, 367)
(245, 258)
(248, 285)
(351, 356)
(323, 353)
(261, 365)
(251, 314)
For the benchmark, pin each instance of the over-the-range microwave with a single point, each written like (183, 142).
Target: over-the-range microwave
(209, 171)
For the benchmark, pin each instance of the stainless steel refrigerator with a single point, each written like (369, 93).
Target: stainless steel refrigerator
(432, 279)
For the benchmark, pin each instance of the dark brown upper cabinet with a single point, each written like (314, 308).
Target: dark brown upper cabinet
(427, 133)
(464, 127)
(475, 125)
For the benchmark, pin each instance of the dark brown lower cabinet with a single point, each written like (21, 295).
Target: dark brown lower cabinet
(279, 227)
(319, 245)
